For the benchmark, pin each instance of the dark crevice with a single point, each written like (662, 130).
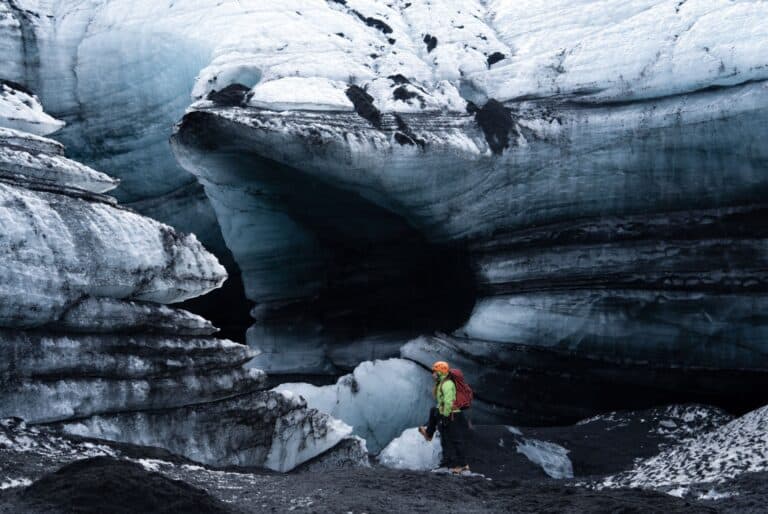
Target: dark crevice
(227, 307)
(363, 103)
(406, 136)
(233, 95)
(373, 22)
(496, 121)
(431, 42)
(495, 57)
(404, 94)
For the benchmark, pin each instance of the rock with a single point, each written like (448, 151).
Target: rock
(104, 484)
(731, 450)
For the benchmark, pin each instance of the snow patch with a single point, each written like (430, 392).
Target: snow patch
(299, 93)
(15, 482)
(738, 447)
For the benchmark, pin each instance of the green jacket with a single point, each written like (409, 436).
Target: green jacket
(445, 393)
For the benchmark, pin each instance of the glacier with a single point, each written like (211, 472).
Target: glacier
(564, 198)
(87, 342)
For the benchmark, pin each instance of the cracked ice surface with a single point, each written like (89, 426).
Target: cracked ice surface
(625, 50)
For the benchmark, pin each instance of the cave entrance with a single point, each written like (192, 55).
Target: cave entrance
(377, 274)
(318, 254)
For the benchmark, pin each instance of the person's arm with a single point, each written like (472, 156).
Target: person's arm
(449, 396)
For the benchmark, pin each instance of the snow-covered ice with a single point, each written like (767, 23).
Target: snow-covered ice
(20, 109)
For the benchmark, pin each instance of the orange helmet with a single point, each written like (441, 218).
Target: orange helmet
(441, 367)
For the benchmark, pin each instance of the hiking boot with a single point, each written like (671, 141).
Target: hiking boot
(423, 432)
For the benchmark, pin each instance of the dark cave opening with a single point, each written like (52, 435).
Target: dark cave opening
(227, 307)
(379, 273)
(375, 273)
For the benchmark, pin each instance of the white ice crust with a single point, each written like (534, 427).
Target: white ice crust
(312, 94)
(606, 50)
(23, 111)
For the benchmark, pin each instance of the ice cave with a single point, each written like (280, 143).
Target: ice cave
(240, 232)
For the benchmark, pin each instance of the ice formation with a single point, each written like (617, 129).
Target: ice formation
(379, 399)
(86, 342)
(571, 190)
(552, 458)
(409, 450)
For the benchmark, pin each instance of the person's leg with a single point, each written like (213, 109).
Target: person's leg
(432, 424)
(447, 442)
(459, 433)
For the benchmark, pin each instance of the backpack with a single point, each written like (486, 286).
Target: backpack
(464, 393)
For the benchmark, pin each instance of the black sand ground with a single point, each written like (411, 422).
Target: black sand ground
(106, 485)
(110, 485)
(103, 484)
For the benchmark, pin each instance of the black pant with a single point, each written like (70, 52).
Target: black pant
(453, 434)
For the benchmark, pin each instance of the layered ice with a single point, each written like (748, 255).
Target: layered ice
(85, 341)
(20, 109)
(521, 157)
(264, 429)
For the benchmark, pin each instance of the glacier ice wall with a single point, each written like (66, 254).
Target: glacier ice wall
(608, 228)
(589, 175)
(86, 340)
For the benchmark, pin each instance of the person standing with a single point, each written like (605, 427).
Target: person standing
(447, 417)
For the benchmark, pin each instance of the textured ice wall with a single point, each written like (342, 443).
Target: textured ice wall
(264, 429)
(572, 182)
(83, 334)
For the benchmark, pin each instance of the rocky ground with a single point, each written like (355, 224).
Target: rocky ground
(42, 470)
(105, 484)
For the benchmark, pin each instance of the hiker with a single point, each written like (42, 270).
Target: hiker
(453, 397)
